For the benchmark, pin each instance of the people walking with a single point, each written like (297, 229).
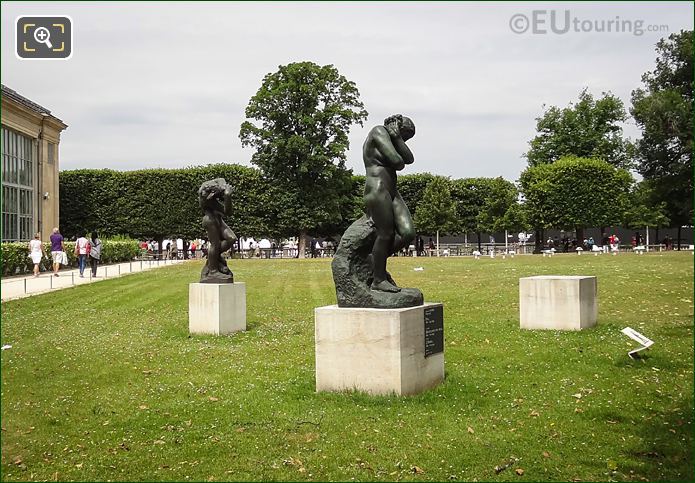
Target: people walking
(420, 246)
(36, 252)
(57, 251)
(605, 242)
(82, 248)
(95, 253)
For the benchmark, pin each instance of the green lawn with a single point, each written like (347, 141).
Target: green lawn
(103, 381)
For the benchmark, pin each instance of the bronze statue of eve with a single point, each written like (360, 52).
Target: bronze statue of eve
(359, 264)
(384, 153)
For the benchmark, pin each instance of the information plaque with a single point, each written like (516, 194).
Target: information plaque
(434, 330)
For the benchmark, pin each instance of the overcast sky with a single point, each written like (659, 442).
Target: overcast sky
(165, 85)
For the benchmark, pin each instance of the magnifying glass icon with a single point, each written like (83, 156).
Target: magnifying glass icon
(43, 36)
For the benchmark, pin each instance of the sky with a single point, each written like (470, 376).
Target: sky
(165, 84)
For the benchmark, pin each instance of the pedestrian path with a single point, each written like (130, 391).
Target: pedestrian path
(28, 285)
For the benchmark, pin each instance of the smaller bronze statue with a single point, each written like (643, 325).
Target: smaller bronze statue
(215, 198)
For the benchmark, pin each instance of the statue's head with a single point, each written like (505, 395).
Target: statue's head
(211, 190)
(405, 125)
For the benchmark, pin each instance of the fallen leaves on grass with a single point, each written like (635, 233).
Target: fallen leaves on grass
(417, 470)
(519, 471)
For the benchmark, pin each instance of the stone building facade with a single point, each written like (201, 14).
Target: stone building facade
(30, 163)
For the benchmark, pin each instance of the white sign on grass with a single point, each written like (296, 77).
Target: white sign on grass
(636, 336)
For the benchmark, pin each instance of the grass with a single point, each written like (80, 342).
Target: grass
(103, 381)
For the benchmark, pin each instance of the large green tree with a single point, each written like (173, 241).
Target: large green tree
(588, 128)
(298, 123)
(436, 211)
(663, 109)
(575, 193)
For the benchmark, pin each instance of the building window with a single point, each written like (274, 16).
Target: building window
(18, 164)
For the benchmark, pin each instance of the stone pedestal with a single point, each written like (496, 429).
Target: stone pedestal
(379, 351)
(558, 302)
(216, 308)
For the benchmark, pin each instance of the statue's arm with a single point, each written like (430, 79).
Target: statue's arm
(403, 149)
(227, 200)
(383, 143)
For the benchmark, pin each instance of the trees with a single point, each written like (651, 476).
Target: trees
(500, 210)
(536, 188)
(412, 189)
(642, 212)
(575, 193)
(436, 211)
(663, 109)
(500, 198)
(159, 203)
(469, 195)
(590, 128)
(481, 203)
(304, 112)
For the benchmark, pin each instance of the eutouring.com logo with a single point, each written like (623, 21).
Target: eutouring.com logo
(542, 22)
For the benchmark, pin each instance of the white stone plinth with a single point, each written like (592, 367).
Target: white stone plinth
(379, 351)
(558, 302)
(216, 308)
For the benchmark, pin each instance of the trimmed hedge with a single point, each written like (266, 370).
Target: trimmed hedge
(16, 260)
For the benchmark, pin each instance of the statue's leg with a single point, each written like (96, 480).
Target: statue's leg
(405, 230)
(379, 206)
(228, 237)
(213, 229)
(226, 242)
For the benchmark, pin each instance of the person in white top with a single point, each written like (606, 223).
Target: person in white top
(82, 249)
(36, 252)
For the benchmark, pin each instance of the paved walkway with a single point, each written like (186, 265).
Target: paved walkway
(28, 285)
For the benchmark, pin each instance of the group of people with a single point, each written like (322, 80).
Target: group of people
(611, 243)
(318, 249)
(419, 248)
(86, 250)
(171, 249)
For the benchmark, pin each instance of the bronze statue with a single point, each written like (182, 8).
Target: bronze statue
(359, 265)
(215, 197)
(385, 152)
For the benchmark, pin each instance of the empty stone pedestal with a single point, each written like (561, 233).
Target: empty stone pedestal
(379, 351)
(216, 308)
(558, 302)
